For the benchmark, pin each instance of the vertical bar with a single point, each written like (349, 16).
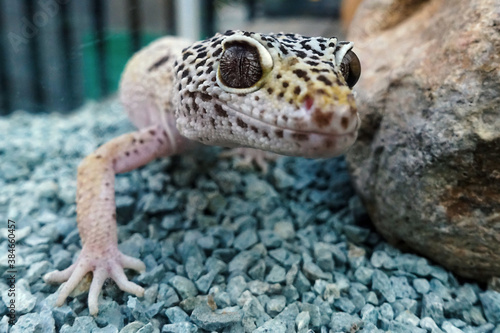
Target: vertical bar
(252, 9)
(67, 58)
(35, 61)
(4, 84)
(208, 28)
(135, 24)
(170, 17)
(98, 13)
(189, 13)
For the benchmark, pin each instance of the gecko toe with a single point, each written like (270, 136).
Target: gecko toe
(59, 276)
(98, 278)
(73, 281)
(132, 263)
(117, 274)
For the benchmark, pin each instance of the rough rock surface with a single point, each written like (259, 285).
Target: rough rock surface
(427, 161)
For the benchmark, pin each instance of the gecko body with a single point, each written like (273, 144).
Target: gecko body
(282, 93)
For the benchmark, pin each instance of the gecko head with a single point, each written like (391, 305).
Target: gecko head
(284, 93)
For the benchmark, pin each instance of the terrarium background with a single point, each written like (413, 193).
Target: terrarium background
(55, 54)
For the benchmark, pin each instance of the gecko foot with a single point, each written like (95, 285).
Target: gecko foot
(260, 157)
(103, 265)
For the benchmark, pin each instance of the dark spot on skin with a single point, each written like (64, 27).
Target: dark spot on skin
(269, 44)
(113, 161)
(141, 141)
(214, 79)
(265, 134)
(127, 153)
(300, 54)
(279, 133)
(284, 50)
(106, 199)
(107, 184)
(152, 132)
(322, 119)
(136, 151)
(217, 52)
(323, 78)
(205, 97)
(201, 63)
(160, 62)
(285, 84)
(134, 140)
(220, 111)
(114, 216)
(301, 74)
(296, 91)
(300, 136)
(285, 118)
(293, 61)
(241, 123)
(344, 122)
(278, 76)
(185, 73)
(281, 94)
(98, 156)
(201, 55)
(270, 91)
(256, 98)
(186, 55)
(164, 133)
(254, 129)
(160, 141)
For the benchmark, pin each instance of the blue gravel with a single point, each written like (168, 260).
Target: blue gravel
(227, 248)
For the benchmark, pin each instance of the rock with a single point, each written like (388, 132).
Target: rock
(34, 322)
(302, 321)
(491, 305)
(185, 287)
(426, 160)
(432, 306)
(343, 322)
(184, 327)
(204, 317)
(382, 284)
(275, 305)
(176, 315)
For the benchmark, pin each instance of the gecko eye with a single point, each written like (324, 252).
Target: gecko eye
(350, 67)
(239, 66)
(243, 65)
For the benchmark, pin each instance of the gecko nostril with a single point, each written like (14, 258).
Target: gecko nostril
(344, 122)
(308, 102)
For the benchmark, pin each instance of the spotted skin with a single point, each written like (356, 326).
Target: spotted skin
(179, 94)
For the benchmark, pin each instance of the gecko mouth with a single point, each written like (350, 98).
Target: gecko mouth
(292, 141)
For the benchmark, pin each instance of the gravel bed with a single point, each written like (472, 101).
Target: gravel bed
(227, 247)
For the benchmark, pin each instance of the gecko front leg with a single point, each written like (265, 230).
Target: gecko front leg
(96, 211)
